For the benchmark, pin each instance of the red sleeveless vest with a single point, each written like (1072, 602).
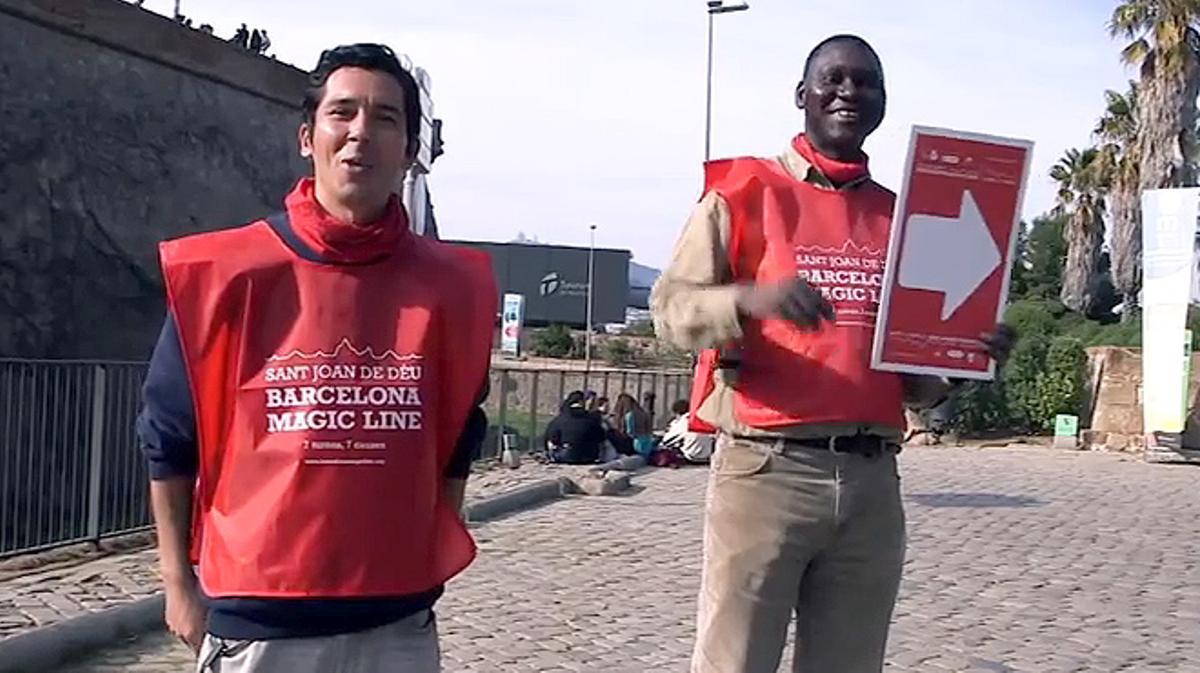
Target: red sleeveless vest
(328, 402)
(836, 240)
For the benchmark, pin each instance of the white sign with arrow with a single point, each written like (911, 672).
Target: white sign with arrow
(950, 253)
(923, 262)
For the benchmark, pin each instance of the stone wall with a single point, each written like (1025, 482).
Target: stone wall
(1114, 410)
(120, 128)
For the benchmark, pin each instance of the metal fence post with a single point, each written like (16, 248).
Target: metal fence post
(96, 462)
(502, 421)
(655, 417)
(533, 396)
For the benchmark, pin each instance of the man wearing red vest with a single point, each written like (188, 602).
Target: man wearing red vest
(777, 275)
(312, 405)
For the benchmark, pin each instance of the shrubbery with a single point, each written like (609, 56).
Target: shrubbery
(1047, 371)
(619, 352)
(555, 341)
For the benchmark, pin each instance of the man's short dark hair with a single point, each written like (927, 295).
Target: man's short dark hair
(834, 39)
(680, 407)
(369, 57)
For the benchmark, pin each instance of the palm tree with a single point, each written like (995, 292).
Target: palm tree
(1119, 161)
(1164, 49)
(1081, 199)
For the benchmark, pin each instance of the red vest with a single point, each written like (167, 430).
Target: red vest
(837, 240)
(329, 400)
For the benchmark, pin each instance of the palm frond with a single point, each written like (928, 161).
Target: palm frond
(1136, 52)
(1131, 17)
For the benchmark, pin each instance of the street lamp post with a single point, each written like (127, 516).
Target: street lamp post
(587, 357)
(714, 7)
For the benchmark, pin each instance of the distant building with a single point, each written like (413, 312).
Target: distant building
(641, 281)
(553, 279)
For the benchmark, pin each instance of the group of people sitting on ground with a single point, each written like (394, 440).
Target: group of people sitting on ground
(585, 432)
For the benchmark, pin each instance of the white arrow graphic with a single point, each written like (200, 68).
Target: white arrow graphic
(951, 255)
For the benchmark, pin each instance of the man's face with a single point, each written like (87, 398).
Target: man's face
(357, 140)
(843, 98)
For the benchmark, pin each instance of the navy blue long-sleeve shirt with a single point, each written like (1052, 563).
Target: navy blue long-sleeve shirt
(166, 429)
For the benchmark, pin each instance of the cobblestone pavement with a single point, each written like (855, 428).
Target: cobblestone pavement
(1030, 561)
(43, 598)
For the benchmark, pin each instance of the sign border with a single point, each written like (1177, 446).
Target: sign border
(894, 243)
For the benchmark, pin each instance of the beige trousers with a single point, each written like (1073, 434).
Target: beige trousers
(791, 531)
(407, 646)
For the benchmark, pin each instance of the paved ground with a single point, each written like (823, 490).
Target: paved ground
(42, 598)
(1020, 560)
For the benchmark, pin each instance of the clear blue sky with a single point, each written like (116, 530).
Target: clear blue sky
(560, 113)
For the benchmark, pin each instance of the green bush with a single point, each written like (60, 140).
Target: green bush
(1126, 334)
(1044, 378)
(1061, 384)
(1034, 317)
(641, 328)
(1021, 380)
(553, 342)
(620, 353)
(981, 406)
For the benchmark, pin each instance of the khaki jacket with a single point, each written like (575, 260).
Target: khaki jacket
(694, 304)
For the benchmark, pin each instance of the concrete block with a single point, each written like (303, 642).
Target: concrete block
(1118, 441)
(1093, 439)
(1066, 442)
(607, 483)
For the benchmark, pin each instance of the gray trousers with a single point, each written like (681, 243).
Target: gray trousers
(792, 531)
(407, 646)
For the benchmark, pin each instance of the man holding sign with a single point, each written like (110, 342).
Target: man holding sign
(779, 275)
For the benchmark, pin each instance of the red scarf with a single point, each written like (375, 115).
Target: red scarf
(838, 172)
(343, 242)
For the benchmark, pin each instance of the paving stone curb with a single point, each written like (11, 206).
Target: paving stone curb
(45, 648)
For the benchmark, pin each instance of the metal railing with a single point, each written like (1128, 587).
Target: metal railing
(522, 401)
(70, 469)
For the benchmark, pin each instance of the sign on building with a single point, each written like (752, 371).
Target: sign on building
(512, 317)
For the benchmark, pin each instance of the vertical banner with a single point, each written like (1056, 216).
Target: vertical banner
(512, 319)
(1168, 232)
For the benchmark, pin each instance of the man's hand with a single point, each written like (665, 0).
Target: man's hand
(1000, 343)
(185, 613)
(792, 299)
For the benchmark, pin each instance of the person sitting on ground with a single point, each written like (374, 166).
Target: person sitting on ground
(696, 447)
(621, 445)
(571, 398)
(575, 436)
(633, 425)
(649, 403)
(598, 406)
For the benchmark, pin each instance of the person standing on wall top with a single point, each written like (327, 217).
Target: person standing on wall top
(312, 404)
(803, 509)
